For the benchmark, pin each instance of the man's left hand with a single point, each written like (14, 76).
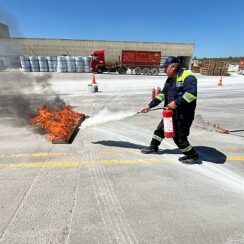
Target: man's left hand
(171, 106)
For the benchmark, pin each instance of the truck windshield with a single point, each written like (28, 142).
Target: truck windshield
(95, 58)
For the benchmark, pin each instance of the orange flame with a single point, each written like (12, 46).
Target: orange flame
(59, 124)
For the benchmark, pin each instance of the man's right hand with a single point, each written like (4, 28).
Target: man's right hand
(145, 110)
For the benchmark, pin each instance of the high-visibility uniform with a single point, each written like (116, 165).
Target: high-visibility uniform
(183, 91)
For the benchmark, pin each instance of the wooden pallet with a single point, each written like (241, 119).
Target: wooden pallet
(195, 69)
(217, 68)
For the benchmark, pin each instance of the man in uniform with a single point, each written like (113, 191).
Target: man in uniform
(179, 94)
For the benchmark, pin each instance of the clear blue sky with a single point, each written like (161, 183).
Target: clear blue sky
(215, 27)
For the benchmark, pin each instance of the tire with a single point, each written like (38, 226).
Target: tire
(146, 71)
(99, 70)
(154, 71)
(138, 70)
(122, 70)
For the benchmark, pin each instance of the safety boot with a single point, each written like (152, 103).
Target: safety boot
(149, 150)
(190, 160)
(183, 158)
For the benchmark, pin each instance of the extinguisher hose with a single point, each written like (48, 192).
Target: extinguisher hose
(153, 109)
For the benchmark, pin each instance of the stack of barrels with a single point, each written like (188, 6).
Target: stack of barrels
(55, 64)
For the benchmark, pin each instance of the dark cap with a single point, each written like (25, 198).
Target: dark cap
(170, 60)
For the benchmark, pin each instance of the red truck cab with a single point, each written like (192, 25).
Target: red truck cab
(98, 59)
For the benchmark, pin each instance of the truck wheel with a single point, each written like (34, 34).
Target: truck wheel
(122, 70)
(145, 71)
(99, 70)
(137, 70)
(154, 71)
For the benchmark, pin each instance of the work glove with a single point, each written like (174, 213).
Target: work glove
(145, 110)
(171, 105)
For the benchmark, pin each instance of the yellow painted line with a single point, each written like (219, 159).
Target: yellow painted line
(20, 155)
(148, 160)
(53, 154)
(235, 158)
(40, 165)
(42, 154)
(102, 161)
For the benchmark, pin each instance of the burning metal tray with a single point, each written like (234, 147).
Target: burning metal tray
(73, 133)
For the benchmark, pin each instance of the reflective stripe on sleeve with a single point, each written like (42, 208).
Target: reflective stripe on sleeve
(160, 97)
(189, 97)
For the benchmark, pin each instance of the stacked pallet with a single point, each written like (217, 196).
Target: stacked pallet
(221, 68)
(217, 68)
(207, 67)
(195, 69)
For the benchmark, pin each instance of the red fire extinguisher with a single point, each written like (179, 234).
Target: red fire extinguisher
(168, 123)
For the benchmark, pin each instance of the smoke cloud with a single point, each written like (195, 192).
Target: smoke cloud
(21, 94)
(105, 116)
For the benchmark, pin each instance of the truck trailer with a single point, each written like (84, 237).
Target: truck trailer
(141, 62)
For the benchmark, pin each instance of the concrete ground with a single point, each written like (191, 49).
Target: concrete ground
(100, 188)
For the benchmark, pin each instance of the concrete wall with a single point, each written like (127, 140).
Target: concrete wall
(56, 47)
(4, 31)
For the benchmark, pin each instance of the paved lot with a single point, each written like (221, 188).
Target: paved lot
(100, 188)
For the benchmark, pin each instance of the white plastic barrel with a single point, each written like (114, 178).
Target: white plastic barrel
(34, 63)
(70, 64)
(25, 63)
(87, 64)
(62, 64)
(43, 63)
(52, 63)
(79, 64)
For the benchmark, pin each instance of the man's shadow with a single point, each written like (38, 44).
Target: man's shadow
(209, 154)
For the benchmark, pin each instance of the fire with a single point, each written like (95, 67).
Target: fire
(59, 124)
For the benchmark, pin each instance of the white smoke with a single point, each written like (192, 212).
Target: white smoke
(105, 116)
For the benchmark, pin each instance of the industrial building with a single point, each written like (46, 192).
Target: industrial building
(59, 47)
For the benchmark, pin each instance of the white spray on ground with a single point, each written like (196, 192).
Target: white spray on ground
(105, 116)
